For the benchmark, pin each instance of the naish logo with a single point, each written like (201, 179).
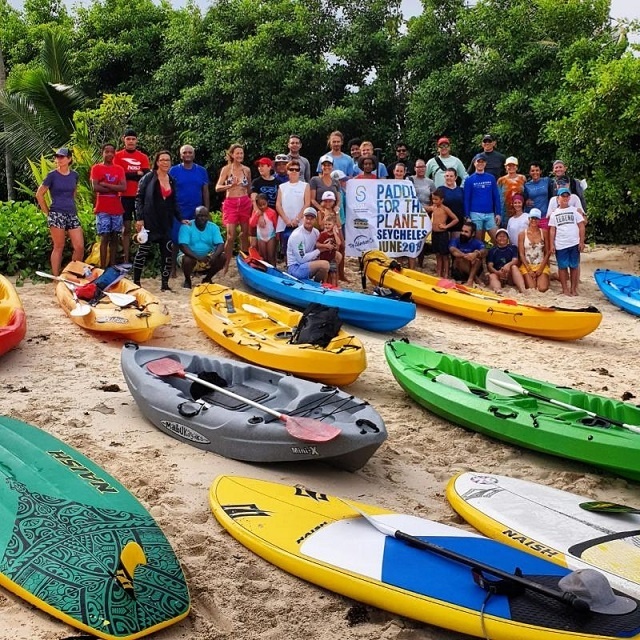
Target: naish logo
(184, 432)
(308, 493)
(243, 510)
(531, 545)
(305, 451)
(306, 535)
(86, 474)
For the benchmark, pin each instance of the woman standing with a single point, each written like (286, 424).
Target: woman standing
(293, 198)
(155, 211)
(324, 182)
(62, 214)
(235, 182)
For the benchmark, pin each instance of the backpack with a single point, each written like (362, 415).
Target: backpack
(318, 325)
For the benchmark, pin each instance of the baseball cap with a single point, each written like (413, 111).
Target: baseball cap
(487, 137)
(511, 160)
(64, 152)
(264, 160)
(555, 162)
(481, 157)
(563, 190)
(281, 157)
(443, 141)
(535, 213)
(338, 175)
(328, 195)
(594, 588)
(502, 231)
(310, 211)
(130, 133)
(326, 158)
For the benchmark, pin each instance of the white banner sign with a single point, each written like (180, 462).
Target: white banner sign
(385, 215)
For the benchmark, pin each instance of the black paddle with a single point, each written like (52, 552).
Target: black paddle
(500, 382)
(601, 506)
(566, 597)
(307, 429)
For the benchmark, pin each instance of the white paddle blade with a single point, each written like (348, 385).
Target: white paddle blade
(453, 382)
(256, 311)
(500, 382)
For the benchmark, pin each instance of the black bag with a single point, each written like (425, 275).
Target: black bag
(318, 325)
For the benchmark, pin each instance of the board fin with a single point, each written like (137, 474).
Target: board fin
(131, 556)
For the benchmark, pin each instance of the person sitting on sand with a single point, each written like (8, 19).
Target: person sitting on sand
(442, 219)
(303, 251)
(533, 249)
(502, 264)
(467, 252)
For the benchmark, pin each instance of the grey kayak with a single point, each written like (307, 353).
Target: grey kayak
(215, 422)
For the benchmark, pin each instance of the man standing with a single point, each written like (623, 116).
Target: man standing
(201, 247)
(108, 181)
(135, 165)
(560, 179)
(192, 191)
(354, 149)
(482, 199)
(303, 250)
(402, 155)
(341, 161)
(443, 161)
(495, 160)
(294, 145)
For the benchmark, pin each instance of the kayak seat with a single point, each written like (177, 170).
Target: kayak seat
(250, 393)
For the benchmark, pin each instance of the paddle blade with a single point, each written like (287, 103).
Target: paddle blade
(444, 283)
(80, 310)
(309, 429)
(500, 382)
(256, 311)
(600, 506)
(453, 382)
(166, 367)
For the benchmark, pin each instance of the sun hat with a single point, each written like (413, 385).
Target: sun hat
(326, 158)
(310, 211)
(594, 588)
(328, 195)
(563, 190)
(281, 157)
(511, 160)
(338, 175)
(63, 152)
(535, 213)
(264, 160)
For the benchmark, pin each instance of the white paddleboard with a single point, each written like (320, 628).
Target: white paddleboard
(549, 523)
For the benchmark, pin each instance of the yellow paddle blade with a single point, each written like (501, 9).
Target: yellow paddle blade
(131, 556)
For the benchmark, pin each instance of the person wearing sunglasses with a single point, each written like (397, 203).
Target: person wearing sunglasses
(293, 198)
(402, 156)
(437, 166)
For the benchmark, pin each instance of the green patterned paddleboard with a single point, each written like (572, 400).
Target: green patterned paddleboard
(75, 543)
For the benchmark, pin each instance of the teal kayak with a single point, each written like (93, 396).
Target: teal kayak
(523, 411)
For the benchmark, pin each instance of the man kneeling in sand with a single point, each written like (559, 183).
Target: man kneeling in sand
(303, 250)
(467, 252)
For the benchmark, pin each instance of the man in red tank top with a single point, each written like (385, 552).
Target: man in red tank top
(135, 165)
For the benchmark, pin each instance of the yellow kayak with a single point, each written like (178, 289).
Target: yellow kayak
(556, 323)
(259, 331)
(136, 321)
(13, 322)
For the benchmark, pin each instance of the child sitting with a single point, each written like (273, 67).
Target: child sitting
(330, 237)
(265, 219)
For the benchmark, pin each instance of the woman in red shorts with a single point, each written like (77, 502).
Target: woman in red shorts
(235, 181)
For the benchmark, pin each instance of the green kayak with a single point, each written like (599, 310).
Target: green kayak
(533, 414)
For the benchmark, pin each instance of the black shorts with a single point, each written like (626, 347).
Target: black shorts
(129, 206)
(440, 242)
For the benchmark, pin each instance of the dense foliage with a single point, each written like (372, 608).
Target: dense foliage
(549, 78)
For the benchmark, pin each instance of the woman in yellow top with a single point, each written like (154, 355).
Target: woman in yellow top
(534, 253)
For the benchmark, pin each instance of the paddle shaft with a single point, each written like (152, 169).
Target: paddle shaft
(119, 299)
(563, 596)
(519, 389)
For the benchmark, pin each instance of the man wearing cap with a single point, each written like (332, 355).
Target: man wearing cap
(561, 179)
(443, 161)
(510, 185)
(502, 264)
(280, 168)
(303, 250)
(482, 201)
(495, 160)
(135, 165)
(192, 191)
(566, 236)
(402, 155)
(294, 145)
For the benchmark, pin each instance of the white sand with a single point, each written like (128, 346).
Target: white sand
(54, 379)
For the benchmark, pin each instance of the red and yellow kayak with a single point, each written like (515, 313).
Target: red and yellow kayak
(13, 320)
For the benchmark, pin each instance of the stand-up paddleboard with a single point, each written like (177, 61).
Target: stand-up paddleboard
(327, 541)
(75, 543)
(549, 522)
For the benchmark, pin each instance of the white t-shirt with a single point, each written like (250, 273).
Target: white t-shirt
(566, 223)
(574, 201)
(292, 200)
(301, 246)
(515, 226)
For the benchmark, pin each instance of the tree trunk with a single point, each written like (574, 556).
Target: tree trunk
(8, 161)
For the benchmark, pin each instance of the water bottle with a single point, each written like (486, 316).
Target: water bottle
(228, 300)
(87, 271)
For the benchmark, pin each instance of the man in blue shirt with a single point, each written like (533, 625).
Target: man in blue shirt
(192, 191)
(467, 252)
(201, 247)
(482, 202)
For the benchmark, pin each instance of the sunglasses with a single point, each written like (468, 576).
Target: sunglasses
(297, 170)
(443, 145)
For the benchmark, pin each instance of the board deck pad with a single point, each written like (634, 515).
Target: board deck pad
(550, 523)
(324, 540)
(64, 525)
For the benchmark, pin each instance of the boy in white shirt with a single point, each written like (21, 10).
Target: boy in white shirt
(566, 234)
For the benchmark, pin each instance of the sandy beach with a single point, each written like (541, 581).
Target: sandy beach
(68, 382)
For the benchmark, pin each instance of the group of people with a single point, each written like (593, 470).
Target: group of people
(292, 212)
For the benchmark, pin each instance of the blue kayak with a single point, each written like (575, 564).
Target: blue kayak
(621, 289)
(374, 313)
